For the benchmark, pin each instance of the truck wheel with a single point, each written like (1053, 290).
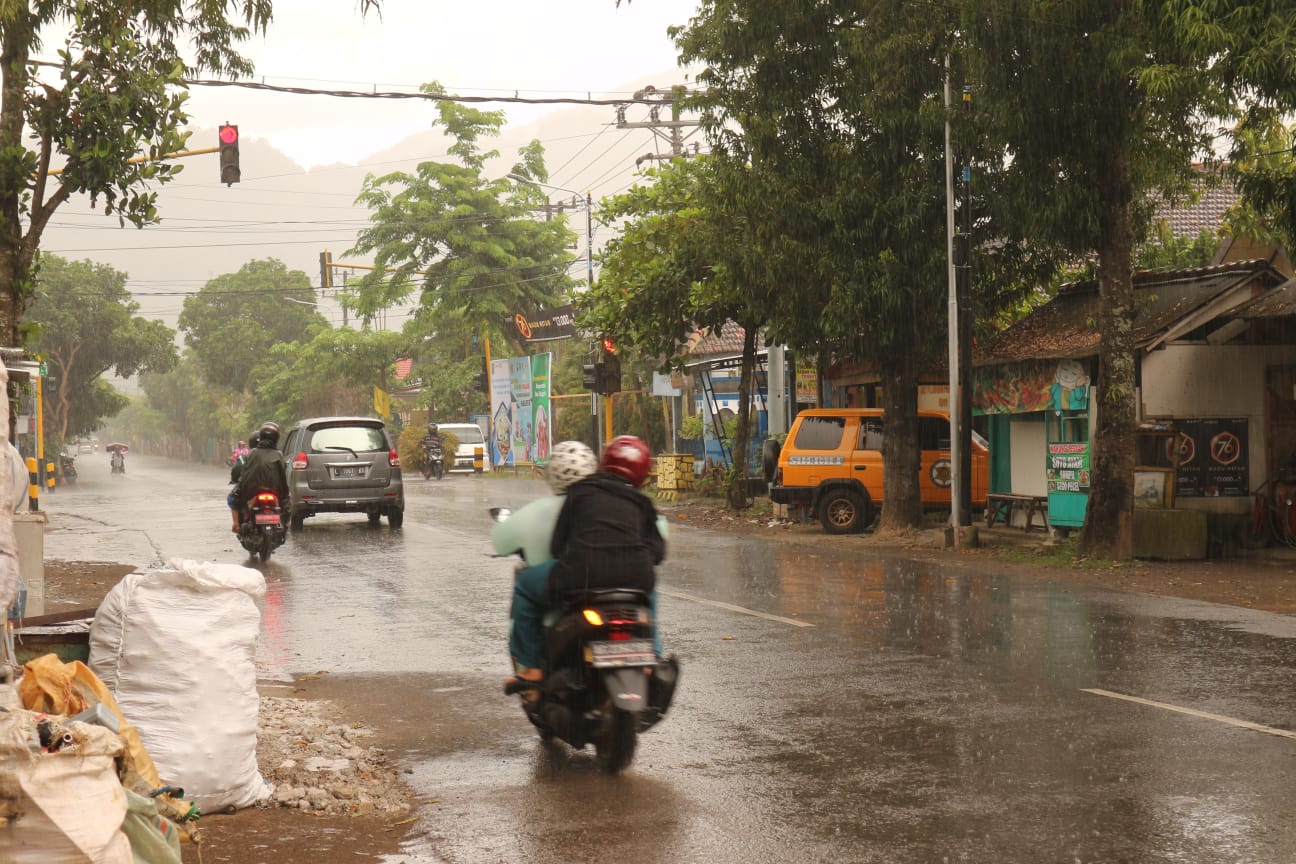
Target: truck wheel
(843, 511)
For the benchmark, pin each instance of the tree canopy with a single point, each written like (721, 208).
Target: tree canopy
(84, 325)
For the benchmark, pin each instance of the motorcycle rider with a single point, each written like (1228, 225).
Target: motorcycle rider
(430, 440)
(607, 533)
(265, 469)
(530, 530)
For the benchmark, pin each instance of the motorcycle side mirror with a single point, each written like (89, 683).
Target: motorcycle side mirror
(499, 514)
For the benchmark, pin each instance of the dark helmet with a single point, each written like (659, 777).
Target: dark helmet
(269, 433)
(627, 457)
(432, 428)
(254, 438)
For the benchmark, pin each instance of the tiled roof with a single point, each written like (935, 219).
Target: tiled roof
(1066, 326)
(706, 342)
(403, 367)
(1191, 218)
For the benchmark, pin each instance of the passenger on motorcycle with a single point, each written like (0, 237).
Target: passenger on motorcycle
(264, 470)
(530, 531)
(236, 470)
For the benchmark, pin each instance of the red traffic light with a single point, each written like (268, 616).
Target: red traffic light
(229, 134)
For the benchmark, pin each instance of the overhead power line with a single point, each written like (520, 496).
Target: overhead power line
(515, 99)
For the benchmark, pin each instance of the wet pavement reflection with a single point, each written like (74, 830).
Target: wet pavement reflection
(921, 714)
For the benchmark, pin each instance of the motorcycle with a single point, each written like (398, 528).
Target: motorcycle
(69, 469)
(262, 529)
(434, 462)
(604, 683)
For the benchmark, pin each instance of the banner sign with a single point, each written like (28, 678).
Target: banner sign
(1213, 458)
(520, 410)
(1068, 467)
(545, 326)
(1030, 386)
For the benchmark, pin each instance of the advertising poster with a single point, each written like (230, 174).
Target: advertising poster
(501, 425)
(1213, 458)
(521, 418)
(540, 411)
(1068, 467)
(523, 423)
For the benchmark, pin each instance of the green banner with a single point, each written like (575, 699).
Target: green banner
(540, 413)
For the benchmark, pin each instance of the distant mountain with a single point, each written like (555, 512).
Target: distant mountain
(280, 210)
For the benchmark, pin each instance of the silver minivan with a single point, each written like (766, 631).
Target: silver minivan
(343, 465)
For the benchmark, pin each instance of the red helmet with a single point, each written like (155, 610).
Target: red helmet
(628, 457)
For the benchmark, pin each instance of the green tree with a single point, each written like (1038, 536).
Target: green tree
(686, 258)
(333, 373)
(830, 121)
(84, 324)
(235, 319)
(1100, 105)
(465, 244)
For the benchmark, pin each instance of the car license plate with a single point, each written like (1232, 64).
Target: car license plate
(349, 471)
(629, 652)
(267, 518)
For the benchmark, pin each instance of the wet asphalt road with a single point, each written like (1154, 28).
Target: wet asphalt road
(831, 708)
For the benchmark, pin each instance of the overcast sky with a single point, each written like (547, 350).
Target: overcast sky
(304, 157)
(490, 47)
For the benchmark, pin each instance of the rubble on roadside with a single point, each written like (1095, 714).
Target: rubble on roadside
(322, 765)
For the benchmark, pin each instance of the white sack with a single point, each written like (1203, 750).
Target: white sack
(177, 648)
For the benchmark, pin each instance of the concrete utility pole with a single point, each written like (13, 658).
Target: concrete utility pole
(671, 131)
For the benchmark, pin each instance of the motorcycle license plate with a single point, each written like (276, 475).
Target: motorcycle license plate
(628, 652)
(267, 518)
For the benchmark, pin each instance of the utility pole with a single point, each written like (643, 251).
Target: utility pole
(671, 131)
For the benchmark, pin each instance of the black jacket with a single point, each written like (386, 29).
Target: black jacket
(606, 537)
(264, 470)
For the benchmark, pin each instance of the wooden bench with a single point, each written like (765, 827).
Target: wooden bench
(1000, 505)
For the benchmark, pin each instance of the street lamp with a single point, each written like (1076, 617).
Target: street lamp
(589, 219)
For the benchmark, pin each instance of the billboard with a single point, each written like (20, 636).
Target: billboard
(520, 412)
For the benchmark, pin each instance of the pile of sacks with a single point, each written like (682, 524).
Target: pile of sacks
(114, 762)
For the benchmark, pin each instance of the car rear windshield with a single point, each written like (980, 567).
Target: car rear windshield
(361, 439)
(467, 435)
(820, 433)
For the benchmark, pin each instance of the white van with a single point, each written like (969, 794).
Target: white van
(470, 438)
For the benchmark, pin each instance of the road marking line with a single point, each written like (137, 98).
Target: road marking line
(1192, 712)
(732, 608)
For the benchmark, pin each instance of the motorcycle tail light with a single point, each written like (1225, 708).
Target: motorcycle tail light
(300, 461)
(267, 498)
(393, 459)
(593, 617)
(619, 635)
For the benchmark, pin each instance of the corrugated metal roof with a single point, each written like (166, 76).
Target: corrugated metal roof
(1277, 303)
(1067, 326)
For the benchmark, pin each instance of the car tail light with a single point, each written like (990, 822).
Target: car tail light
(300, 462)
(778, 476)
(393, 459)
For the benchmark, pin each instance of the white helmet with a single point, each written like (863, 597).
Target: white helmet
(570, 461)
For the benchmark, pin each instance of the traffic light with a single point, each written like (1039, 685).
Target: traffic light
(481, 381)
(592, 377)
(611, 368)
(326, 269)
(229, 155)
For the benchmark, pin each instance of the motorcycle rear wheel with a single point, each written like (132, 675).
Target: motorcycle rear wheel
(264, 551)
(615, 744)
